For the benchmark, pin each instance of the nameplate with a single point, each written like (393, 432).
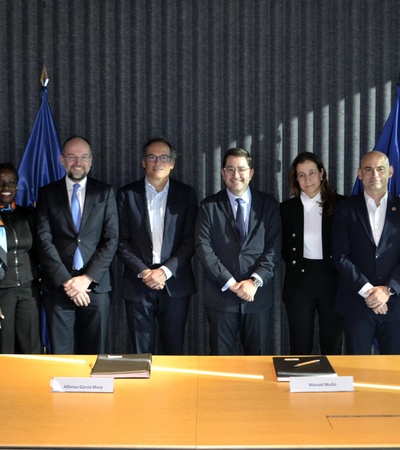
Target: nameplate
(321, 384)
(74, 384)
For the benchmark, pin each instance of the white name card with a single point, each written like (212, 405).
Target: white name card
(74, 384)
(321, 384)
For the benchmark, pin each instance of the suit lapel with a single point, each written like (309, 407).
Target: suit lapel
(298, 217)
(63, 201)
(391, 222)
(362, 212)
(255, 209)
(172, 201)
(226, 208)
(89, 201)
(141, 201)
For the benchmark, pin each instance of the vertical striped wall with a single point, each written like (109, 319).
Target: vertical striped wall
(277, 77)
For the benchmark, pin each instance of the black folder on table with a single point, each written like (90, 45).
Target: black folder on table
(122, 366)
(302, 366)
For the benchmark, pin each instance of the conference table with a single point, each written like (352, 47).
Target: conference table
(198, 402)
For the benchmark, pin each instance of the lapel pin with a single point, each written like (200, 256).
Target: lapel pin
(393, 208)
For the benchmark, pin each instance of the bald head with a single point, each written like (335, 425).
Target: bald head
(374, 172)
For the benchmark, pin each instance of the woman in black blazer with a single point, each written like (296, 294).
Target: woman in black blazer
(19, 291)
(310, 278)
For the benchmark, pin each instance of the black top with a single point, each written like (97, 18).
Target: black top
(21, 260)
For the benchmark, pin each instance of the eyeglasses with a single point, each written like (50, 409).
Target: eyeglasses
(310, 174)
(233, 170)
(73, 158)
(161, 158)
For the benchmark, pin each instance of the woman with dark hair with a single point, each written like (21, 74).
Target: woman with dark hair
(19, 295)
(310, 278)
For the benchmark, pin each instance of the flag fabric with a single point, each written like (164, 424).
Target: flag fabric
(389, 143)
(40, 165)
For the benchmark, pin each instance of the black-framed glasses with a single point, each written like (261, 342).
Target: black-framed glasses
(161, 158)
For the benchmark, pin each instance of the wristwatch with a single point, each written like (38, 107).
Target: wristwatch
(256, 281)
(391, 291)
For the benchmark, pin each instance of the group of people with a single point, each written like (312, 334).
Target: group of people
(342, 257)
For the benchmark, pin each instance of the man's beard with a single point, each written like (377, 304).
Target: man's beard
(75, 177)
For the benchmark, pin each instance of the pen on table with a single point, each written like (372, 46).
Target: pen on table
(307, 363)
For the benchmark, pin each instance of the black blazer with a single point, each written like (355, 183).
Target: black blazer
(360, 261)
(220, 252)
(135, 244)
(22, 261)
(292, 215)
(58, 237)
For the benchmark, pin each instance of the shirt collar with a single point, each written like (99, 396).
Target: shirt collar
(148, 185)
(246, 197)
(70, 183)
(310, 203)
(369, 200)
(305, 198)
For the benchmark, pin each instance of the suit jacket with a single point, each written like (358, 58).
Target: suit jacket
(135, 248)
(220, 252)
(22, 261)
(360, 261)
(292, 215)
(58, 237)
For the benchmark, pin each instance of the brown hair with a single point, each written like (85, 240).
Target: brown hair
(328, 193)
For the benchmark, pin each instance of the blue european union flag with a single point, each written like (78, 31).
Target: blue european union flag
(388, 143)
(40, 165)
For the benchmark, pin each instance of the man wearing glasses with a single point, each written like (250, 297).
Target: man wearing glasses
(238, 242)
(157, 217)
(77, 229)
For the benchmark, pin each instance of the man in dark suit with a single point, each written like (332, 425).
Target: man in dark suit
(238, 242)
(157, 216)
(76, 257)
(366, 251)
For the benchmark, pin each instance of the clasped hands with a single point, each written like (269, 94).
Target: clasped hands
(154, 278)
(77, 289)
(377, 299)
(244, 289)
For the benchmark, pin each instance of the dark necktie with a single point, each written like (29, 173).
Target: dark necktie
(239, 221)
(77, 262)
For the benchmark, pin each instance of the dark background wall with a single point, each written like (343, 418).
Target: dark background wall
(276, 77)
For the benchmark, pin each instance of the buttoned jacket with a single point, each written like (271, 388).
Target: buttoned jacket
(292, 215)
(359, 260)
(220, 252)
(58, 237)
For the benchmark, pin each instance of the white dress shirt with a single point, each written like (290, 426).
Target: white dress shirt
(156, 206)
(80, 193)
(246, 202)
(376, 215)
(312, 248)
